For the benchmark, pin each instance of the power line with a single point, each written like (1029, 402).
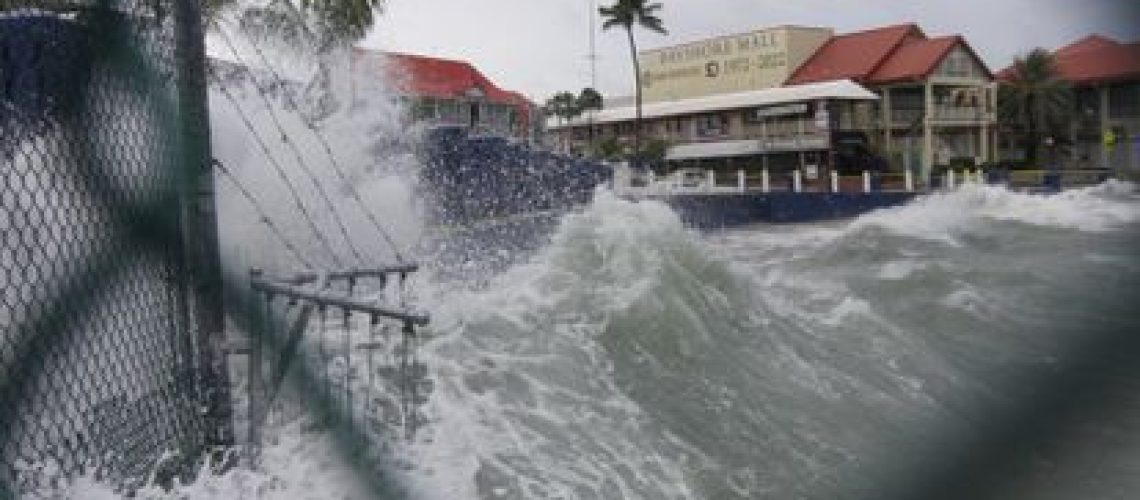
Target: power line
(296, 152)
(327, 149)
(261, 213)
(277, 168)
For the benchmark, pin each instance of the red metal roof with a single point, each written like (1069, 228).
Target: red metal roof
(435, 77)
(441, 78)
(1097, 59)
(854, 55)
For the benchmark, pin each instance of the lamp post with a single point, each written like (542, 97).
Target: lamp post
(1052, 177)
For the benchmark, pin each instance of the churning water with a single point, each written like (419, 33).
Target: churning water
(633, 358)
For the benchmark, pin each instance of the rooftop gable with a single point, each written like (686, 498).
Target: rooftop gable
(854, 56)
(916, 60)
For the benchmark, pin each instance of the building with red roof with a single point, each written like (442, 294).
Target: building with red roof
(937, 96)
(448, 92)
(1105, 77)
(928, 103)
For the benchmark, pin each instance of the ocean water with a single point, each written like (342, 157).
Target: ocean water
(633, 358)
(978, 343)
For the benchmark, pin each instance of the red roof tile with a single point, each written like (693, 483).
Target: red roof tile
(914, 60)
(1091, 42)
(854, 55)
(1092, 60)
(917, 59)
(1102, 63)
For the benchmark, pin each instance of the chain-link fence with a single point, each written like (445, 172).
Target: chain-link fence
(109, 311)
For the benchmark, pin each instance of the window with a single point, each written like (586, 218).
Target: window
(474, 116)
(712, 125)
(1124, 100)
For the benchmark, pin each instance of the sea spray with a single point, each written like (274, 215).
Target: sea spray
(633, 358)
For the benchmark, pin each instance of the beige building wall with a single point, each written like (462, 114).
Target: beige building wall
(736, 63)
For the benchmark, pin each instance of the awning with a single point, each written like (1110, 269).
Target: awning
(745, 147)
(713, 149)
(831, 90)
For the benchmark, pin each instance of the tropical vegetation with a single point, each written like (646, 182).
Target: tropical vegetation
(1035, 105)
(627, 14)
(563, 105)
(566, 106)
(319, 24)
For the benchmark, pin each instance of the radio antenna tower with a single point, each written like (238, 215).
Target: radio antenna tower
(593, 57)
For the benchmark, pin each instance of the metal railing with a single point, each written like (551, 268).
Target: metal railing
(354, 400)
(762, 181)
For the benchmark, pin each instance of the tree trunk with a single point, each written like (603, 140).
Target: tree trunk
(637, 99)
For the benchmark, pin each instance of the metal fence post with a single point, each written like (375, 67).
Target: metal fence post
(199, 222)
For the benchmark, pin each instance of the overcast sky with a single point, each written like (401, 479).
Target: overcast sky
(539, 47)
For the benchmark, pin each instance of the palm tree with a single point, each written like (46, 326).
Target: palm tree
(627, 13)
(1035, 102)
(319, 24)
(563, 105)
(589, 100)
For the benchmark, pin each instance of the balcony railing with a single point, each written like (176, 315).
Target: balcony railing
(905, 116)
(958, 113)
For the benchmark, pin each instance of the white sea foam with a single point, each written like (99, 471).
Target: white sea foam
(941, 216)
(526, 405)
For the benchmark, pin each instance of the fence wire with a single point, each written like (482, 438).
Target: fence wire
(108, 265)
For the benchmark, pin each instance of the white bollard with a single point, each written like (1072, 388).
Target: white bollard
(981, 176)
(764, 180)
(740, 180)
(651, 181)
(711, 175)
(866, 181)
(834, 181)
(796, 183)
(950, 179)
(908, 180)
